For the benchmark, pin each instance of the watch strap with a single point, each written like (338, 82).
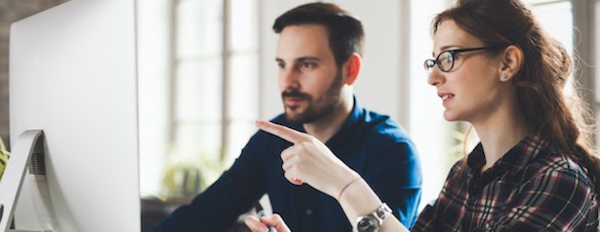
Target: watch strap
(382, 212)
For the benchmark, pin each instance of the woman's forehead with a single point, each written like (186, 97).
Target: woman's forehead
(450, 35)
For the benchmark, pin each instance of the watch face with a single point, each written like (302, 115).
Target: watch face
(367, 224)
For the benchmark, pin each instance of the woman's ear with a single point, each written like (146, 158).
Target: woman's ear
(352, 68)
(512, 59)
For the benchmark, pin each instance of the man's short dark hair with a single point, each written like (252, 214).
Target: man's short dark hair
(346, 33)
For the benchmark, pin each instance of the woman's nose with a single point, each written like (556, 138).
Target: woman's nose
(435, 77)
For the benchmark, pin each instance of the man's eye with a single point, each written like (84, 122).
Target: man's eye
(281, 65)
(308, 65)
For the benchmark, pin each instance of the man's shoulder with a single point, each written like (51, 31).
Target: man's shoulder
(262, 141)
(262, 135)
(279, 119)
(384, 126)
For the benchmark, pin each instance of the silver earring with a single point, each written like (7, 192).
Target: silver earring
(504, 76)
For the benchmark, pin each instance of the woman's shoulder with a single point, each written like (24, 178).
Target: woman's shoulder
(456, 168)
(556, 185)
(456, 177)
(559, 165)
(559, 176)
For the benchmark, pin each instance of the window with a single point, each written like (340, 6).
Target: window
(199, 95)
(196, 100)
(215, 90)
(430, 132)
(557, 18)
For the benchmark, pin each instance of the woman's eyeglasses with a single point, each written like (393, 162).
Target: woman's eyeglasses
(445, 60)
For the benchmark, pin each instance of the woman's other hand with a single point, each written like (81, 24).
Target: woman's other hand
(262, 225)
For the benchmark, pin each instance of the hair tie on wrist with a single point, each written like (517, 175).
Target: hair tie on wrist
(347, 185)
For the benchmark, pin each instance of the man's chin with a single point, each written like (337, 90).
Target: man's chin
(296, 118)
(293, 118)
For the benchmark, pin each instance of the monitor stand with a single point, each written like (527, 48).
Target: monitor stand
(29, 145)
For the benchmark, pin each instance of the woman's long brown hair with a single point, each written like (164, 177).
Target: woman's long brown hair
(564, 122)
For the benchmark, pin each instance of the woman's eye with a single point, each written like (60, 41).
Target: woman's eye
(448, 58)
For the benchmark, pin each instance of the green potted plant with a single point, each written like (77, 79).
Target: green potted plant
(181, 181)
(189, 173)
(3, 157)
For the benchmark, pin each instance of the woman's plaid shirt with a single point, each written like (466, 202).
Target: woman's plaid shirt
(531, 188)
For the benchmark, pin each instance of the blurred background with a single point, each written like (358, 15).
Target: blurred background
(211, 73)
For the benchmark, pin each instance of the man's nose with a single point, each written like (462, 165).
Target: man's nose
(290, 78)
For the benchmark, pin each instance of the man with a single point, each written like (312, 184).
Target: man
(319, 60)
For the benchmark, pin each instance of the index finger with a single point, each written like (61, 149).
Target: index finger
(283, 132)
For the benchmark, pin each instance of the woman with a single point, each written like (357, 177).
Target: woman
(496, 68)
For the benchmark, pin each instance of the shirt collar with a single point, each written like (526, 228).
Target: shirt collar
(515, 160)
(355, 115)
(347, 129)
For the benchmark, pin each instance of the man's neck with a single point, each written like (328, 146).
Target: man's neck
(324, 128)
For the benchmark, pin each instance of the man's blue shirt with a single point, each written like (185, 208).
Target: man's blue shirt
(374, 145)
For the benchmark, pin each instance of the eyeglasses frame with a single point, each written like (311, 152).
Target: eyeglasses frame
(454, 52)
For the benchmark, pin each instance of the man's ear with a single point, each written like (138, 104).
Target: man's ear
(512, 60)
(352, 68)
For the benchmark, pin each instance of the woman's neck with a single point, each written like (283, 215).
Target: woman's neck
(499, 133)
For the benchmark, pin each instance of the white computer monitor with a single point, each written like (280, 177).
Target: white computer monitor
(73, 75)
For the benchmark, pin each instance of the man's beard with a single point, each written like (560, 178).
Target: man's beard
(314, 111)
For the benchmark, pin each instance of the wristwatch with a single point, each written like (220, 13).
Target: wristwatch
(372, 222)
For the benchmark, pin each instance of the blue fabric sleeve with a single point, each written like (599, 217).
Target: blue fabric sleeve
(397, 163)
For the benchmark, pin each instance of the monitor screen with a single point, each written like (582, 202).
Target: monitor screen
(73, 75)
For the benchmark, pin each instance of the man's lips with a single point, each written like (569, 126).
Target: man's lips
(293, 100)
